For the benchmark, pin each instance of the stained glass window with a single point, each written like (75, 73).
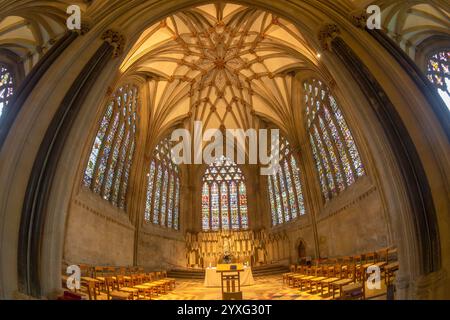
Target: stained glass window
(335, 153)
(285, 188)
(438, 72)
(6, 87)
(163, 188)
(224, 197)
(109, 163)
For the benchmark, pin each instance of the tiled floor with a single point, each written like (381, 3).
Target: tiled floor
(265, 288)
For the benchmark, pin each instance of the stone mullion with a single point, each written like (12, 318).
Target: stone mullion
(238, 203)
(335, 148)
(151, 213)
(272, 180)
(166, 221)
(125, 164)
(220, 205)
(291, 172)
(111, 153)
(117, 166)
(341, 136)
(161, 167)
(130, 144)
(210, 206)
(322, 162)
(105, 138)
(161, 197)
(283, 177)
(281, 197)
(230, 222)
(327, 154)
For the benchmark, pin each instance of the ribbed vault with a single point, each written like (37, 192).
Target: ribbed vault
(29, 33)
(409, 23)
(222, 64)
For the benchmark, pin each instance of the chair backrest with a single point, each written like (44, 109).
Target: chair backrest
(98, 272)
(86, 270)
(92, 294)
(382, 255)
(357, 259)
(370, 257)
(292, 268)
(109, 284)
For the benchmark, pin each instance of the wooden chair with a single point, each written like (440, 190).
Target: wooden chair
(321, 274)
(333, 276)
(113, 294)
(292, 270)
(304, 280)
(354, 291)
(91, 289)
(348, 275)
(172, 281)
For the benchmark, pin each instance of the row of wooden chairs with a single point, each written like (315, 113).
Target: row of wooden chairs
(124, 283)
(345, 276)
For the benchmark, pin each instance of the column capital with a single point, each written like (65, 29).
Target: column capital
(327, 33)
(359, 18)
(116, 39)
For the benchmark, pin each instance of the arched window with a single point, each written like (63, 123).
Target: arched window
(438, 72)
(224, 197)
(163, 188)
(108, 168)
(6, 87)
(336, 155)
(285, 188)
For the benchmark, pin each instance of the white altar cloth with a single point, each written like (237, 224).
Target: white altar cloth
(213, 278)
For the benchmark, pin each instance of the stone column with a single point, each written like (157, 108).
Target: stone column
(311, 194)
(40, 182)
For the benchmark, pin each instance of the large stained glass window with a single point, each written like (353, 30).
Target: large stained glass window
(163, 188)
(108, 168)
(335, 153)
(224, 197)
(438, 72)
(285, 188)
(6, 87)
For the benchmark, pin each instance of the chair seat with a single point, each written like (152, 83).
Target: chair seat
(127, 289)
(318, 279)
(329, 280)
(151, 284)
(119, 295)
(352, 287)
(142, 287)
(90, 279)
(342, 282)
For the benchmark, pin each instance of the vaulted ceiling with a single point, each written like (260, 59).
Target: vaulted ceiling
(409, 23)
(220, 64)
(29, 33)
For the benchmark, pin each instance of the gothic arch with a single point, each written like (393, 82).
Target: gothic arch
(86, 46)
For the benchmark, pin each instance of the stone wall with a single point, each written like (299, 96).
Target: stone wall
(160, 248)
(353, 223)
(97, 233)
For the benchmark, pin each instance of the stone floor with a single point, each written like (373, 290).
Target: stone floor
(265, 288)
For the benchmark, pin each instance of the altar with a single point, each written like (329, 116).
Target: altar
(213, 277)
